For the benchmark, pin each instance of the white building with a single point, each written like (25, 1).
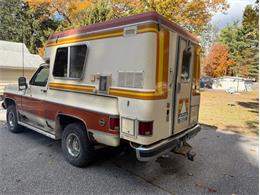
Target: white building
(12, 56)
(233, 84)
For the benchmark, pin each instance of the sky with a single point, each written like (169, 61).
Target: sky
(235, 12)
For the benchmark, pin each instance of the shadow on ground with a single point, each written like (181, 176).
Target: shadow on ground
(254, 108)
(226, 163)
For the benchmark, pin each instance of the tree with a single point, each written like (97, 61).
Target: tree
(233, 37)
(98, 11)
(218, 62)
(35, 20)
(208, 37)
(242, 41)
(19, 23)
(68, 9)
(192, 14)
(250, 25)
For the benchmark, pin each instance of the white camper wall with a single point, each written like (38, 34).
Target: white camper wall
(132, 53)
(111, 55)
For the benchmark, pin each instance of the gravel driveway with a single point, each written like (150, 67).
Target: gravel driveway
(226, 163)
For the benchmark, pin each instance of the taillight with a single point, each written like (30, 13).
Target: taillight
(114, 123)
(145, 128)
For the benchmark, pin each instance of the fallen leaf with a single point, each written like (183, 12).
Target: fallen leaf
(212, 190)
(229, 175)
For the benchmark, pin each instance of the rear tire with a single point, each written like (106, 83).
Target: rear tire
(11, 118)
(76, 146)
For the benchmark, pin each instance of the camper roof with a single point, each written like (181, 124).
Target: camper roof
(141, 18)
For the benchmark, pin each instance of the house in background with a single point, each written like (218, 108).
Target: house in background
(12, 56)
(232, 84)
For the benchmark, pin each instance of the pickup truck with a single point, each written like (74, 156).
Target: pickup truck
(133, 80)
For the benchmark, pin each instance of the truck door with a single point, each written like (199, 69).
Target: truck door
(33, 109)
(183, 81)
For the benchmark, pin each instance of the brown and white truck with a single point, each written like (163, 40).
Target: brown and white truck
(133, 80)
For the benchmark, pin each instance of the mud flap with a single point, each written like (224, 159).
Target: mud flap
(185, 150)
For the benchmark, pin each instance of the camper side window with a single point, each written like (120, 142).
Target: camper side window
(69, 62)
(77, 60)
(61, 62)
(185, 70)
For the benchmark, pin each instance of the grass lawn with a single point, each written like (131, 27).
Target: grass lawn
(232, 112)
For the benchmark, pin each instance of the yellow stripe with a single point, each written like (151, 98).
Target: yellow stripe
(196, 72)
(71, 87)
(85, 38)
(147, 30)
(161, 43)
(136, 94)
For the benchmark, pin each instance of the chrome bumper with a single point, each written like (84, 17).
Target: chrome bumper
(146, 153)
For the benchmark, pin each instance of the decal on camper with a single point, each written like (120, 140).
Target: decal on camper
(183, 110)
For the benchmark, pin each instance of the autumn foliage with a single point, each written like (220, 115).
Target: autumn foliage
(69, 9)
(218, 62)
(192, 14)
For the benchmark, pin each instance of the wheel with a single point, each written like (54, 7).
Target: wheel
(76, 146)
(11, 118)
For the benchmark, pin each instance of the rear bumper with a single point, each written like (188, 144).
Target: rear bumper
(146, 153)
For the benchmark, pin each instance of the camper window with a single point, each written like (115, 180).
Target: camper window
(69, 62)
(61, 62)
(77, 60)
(185, 70)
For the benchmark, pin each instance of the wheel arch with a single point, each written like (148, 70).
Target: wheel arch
(8, 102)
(63, 119)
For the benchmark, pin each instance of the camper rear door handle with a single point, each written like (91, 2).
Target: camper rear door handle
(178, 87)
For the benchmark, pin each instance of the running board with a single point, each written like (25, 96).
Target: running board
(37, 130)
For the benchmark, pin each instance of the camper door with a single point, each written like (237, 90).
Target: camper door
(183, 86)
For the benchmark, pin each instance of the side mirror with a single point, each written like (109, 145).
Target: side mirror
(22, 83)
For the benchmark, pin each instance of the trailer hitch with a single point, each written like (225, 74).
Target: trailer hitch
(185, 150)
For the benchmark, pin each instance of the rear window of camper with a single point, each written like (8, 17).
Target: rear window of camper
(186, 58)
(69, 61)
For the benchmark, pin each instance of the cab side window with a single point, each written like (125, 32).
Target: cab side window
(69, 61)
(41, 77)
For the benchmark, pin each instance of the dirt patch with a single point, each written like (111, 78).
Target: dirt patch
(233, 112)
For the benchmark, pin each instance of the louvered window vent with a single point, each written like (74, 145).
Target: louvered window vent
(130, 79)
